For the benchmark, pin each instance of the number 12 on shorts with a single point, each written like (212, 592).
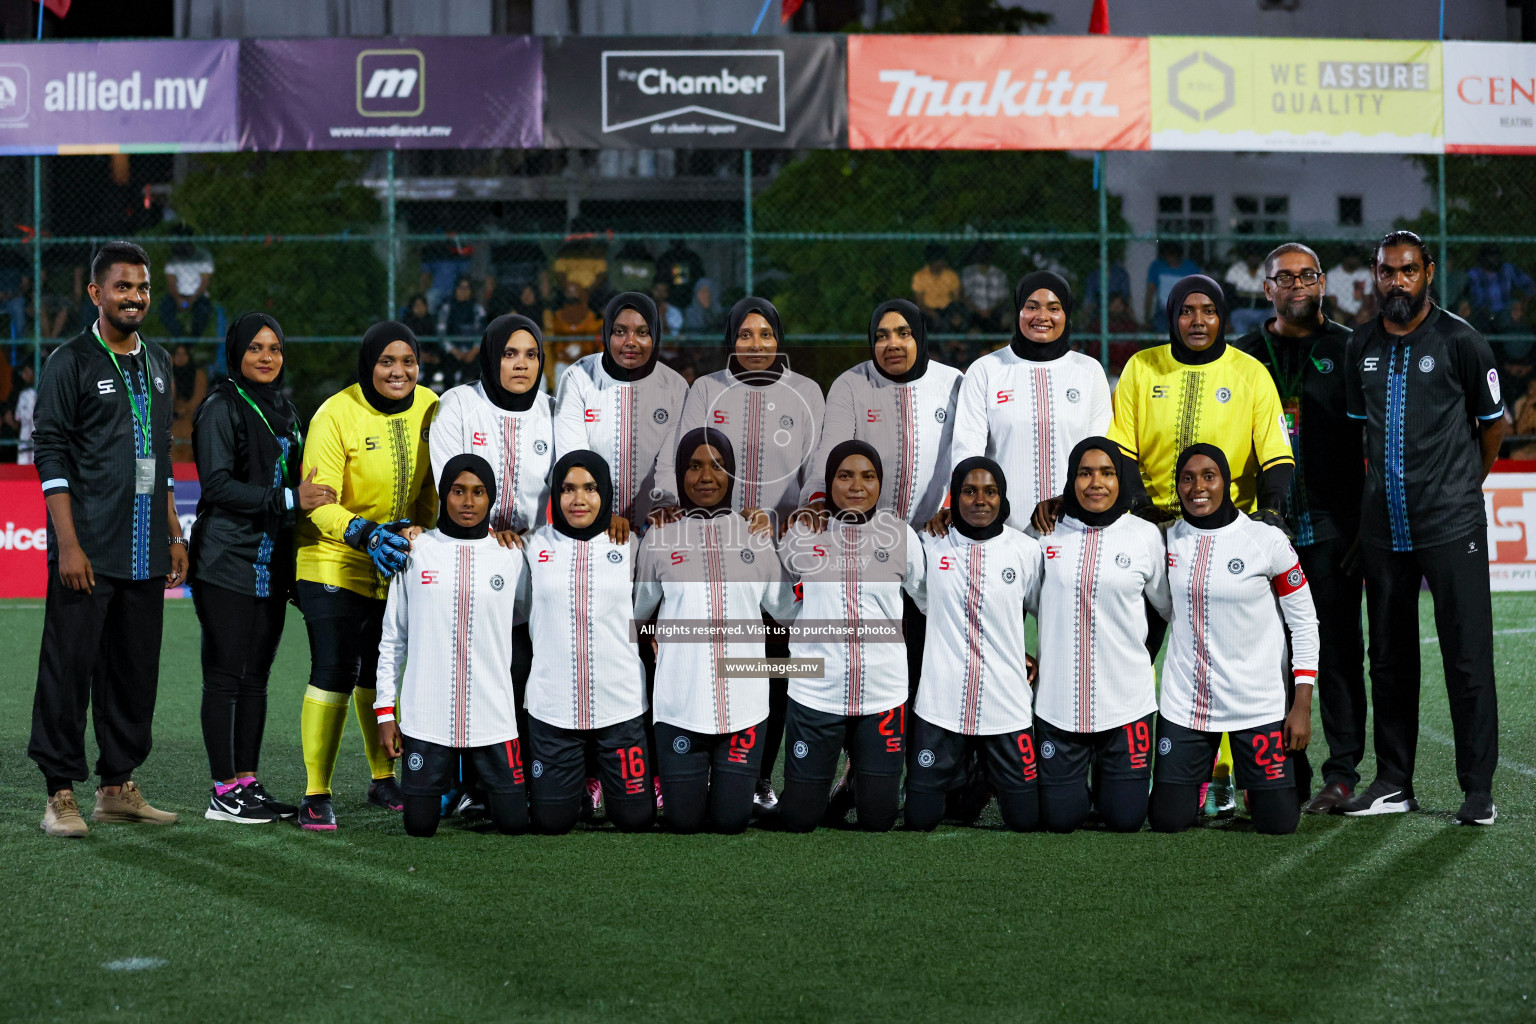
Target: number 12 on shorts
(632, 769)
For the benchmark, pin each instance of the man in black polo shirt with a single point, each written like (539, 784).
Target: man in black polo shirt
(103, 444)
(1425, 384)
(1305, 353)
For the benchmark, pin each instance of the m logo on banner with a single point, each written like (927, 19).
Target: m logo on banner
(391, 83)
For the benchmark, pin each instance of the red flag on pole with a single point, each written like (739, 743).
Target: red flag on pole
(787, 9)
(1098, 22)
(60, 8)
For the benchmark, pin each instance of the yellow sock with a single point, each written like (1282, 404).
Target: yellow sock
(1223, 767)
(320, 727)
(378, 762)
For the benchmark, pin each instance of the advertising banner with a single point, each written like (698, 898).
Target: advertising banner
(1510, 500)
(24, 528)
(701, 92)
(997, 92)
(1313, 95)
(439, 92)
(155, 96)
(1490, 98)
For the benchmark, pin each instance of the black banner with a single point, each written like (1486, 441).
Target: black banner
(696, 92)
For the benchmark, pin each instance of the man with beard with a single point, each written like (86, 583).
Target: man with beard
(103, 443)
(1424, 383)
(1304, 352)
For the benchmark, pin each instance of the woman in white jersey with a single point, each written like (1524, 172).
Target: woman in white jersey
(1026, 405)
(586, 692)
(448, 632)
(709, 569)
(1096, 702)
(1237, 587)
(852, 577)
(975, 694)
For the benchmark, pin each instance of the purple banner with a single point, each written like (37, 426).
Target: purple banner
(439, 92)
(152, 96)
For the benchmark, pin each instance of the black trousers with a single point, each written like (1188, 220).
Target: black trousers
(100, 651)
(776, 646)
(1341, 669)
(240, 638)
(1457, 574)
(914, 630)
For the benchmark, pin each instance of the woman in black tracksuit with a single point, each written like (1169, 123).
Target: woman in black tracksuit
(248, 447)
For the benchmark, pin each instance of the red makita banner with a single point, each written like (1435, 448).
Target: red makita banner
(998, 92)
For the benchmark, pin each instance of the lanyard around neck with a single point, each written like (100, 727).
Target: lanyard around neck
(140, 415)
(282, 455)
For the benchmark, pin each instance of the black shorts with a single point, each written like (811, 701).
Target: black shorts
(1066, 758)
(815, 738)
(432, 769)
(938, 756)
(685, 754)
(1259, 760)
(558, 760)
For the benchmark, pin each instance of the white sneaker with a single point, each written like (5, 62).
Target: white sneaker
(1380, 798)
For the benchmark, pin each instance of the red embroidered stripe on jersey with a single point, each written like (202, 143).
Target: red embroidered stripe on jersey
(1200, 626)
(750, 478)
(506, 495)
(970, 711)
(905, 471)
(1087, 584)
(463, 637)
(581, 633)
(627, 443)
(1045, 431)
(714, 572)
(851, 577)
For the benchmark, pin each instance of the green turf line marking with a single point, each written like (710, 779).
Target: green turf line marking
(135, 963)
(1504, 762)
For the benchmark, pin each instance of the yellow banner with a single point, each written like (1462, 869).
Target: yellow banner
(1321, 95)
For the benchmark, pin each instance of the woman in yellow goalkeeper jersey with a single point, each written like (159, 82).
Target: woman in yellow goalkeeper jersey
(369, 443)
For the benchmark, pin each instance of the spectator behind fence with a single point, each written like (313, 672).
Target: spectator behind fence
(936, 288)
(985, 289)
(1120, 322)
(459, 323)
(417, 315)
(1244, 281)
(671, 317)
(20, 413)
(681, 267)
(1525, 424)
(1491, 290)
(703, 315)
(1119, 286)
(634, 268)
(574, 330)
(1351, 291)
(1167, 270)
(187, 309)
(15, 285)
(189, 384)
(584, 263)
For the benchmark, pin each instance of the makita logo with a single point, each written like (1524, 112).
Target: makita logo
(918, 95)
(391, 83)
(695, 92)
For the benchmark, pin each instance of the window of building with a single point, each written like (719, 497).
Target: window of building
(1261, 215)
(1188, 215)
(1351, 211)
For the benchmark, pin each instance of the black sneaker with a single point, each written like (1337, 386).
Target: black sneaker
(317, 814)
(277, 807)
(386, 793)
(1380, 798)
(764, 799)
(471, 806)
(238, 804)
(1477, 809)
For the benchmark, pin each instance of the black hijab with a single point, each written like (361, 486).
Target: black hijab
(738, 315)
(258, 405)
(593, 463)
(840, 453)
(643, 305)
(914, 318)
(493, 344)
(461, 464)
(1227, 513)
(375, 340)
(1034, 351)
(1070, 506)
(691, 442)
(957, 480)
(1186, 287)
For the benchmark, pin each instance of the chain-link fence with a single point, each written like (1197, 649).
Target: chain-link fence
(331, 242)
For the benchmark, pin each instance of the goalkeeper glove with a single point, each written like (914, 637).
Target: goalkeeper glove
(381, 542)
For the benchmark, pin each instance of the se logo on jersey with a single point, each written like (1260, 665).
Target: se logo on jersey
(720, 417)
(370, 444)
(106, 387)
(429, 576)
(1052, 551)
(1159, 391)
(1004, 397)
(543, 556)
(594, 415)
(678, 558)
(479, 438)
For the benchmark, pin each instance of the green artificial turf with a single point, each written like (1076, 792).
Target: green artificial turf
(1401, 918)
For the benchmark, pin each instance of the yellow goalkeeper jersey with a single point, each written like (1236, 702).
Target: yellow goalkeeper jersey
(380, 469)
(1163, 406)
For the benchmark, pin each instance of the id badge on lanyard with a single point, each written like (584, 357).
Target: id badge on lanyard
(1292, 407)
(143, 476)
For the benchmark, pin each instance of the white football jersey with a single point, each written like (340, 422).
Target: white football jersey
(628, 423)
(773, 429)
(586, 669)
(908, 424)
(974, 677)
(852, 575)
(709, 570)
(1095, 672)
(445, 660)
(1027, 417)
(1235, 590)
(520, 446)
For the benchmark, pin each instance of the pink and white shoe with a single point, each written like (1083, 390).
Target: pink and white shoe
(594, 799)
(656, 785)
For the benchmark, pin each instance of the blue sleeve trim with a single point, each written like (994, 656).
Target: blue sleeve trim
(56, 484)
(1493, 416)
(1353, 416)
